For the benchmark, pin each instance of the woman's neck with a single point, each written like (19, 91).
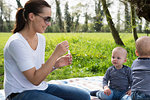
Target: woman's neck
(28, 33)
(31, 37)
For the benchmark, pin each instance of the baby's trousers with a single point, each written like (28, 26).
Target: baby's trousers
(115, 95)
(139, 96)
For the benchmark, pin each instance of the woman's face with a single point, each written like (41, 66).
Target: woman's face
(42, 20)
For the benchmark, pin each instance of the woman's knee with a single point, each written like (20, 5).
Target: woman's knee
(84, 96)
(36, 95)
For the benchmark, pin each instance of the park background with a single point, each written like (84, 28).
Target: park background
(92, 28)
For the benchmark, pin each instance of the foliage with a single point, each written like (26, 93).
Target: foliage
(111, 24)
(142, 8)
(85, 26)
(91, 53)
(98, 19)
(5, 16)
(19, 4)
(126, 17)
(59, 16)
(67, 18)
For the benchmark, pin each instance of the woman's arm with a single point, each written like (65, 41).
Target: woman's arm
(37, 76)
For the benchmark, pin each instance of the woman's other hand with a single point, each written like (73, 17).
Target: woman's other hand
(63, 61)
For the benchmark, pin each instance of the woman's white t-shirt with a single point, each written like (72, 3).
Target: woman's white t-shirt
(19, 57)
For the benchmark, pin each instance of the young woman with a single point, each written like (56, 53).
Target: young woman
(25, 69)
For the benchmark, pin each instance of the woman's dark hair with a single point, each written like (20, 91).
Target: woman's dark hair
(31, 6)
(142, 8)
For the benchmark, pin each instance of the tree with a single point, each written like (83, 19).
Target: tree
(85, 29)
(67, 18)
(72, 23)
(99, 17)
(126, 16)
(19, 4)
(142, 8)
(85, 26)
(133, 22)
(140, 26)
(115, 33)
(76, 15)
(59, 16)
(77, 23)
(1, 15)
(5, 17)
(118, 20)
(146, 27)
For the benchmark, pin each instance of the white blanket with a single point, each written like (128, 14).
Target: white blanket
(86, 83)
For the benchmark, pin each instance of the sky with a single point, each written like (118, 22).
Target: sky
(91, 9)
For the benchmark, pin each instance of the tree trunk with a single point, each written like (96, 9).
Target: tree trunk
(146, 27)
(19, 4)
(127, 17)
(115, 33)
(140, 26)
(77, 23)
(1, 14)
(58, 16)
(133, 22)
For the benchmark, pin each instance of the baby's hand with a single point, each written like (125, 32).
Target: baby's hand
(107, 91)
(128, 92)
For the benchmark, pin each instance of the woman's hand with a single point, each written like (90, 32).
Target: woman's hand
(61, 48)
(63, 61)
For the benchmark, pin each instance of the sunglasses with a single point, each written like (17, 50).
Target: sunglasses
(46, 19)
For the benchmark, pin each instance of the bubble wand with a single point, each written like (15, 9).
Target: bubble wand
(69, 54)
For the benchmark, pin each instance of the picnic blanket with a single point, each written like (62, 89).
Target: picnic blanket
(85, 83)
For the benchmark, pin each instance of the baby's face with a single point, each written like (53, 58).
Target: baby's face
(118, 58)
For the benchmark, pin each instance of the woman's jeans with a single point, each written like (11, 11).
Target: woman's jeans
(54, 92)
(115, 95)
(139, 96)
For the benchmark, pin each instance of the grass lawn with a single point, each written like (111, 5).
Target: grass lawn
(91, 53)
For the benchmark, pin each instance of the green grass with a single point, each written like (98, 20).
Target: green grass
(91, 53)
(3, 39)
